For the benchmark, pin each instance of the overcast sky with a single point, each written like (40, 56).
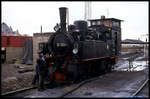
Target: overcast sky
(28, 17)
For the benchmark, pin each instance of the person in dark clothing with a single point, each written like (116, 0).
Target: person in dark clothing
(40, 73)
(36, 76)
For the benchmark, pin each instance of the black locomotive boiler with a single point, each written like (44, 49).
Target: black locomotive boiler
(81, 51)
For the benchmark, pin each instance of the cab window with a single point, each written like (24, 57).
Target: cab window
(94, 23)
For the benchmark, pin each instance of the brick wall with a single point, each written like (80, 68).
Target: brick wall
(38, 38)
(14, 52)
(132, 48)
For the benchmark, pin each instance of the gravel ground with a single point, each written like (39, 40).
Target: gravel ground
(115, 84)
(12, 80)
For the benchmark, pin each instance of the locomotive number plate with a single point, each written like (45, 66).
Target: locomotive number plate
(61, 44)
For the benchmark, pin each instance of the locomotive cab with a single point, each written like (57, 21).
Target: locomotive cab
(113, 35)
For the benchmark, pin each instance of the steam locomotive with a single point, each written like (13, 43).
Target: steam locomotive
(80, 51)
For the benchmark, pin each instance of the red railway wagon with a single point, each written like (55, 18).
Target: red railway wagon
(14, 41)
(4, 41)
(11, 41)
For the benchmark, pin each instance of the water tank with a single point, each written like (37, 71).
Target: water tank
(81, 25)
(83, 28)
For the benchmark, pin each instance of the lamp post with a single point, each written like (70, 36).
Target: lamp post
(144, 45)
(146, 50)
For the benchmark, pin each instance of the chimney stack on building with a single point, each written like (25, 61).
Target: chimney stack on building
(102, 17)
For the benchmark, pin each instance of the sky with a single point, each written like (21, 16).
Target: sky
(28, 17)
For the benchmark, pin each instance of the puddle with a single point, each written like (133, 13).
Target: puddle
(136, 66)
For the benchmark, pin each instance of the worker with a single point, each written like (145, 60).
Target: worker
(36, 75)
(41, 70)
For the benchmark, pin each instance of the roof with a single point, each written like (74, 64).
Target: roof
(6, 30)
(43, 34)
(132, 41)
(114, 19)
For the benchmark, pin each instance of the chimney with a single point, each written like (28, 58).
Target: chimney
(102, 17)
(41, 28)
(63, 13)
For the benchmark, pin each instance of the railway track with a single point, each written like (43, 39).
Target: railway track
(77, 86)
(80, 85)
(12, 93)
(84, 82)
(17, 91)
(132, 58)
(140, 88)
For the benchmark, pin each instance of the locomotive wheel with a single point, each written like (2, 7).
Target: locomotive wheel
(102, 67)
(73, 72)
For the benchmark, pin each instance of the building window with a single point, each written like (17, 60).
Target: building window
(115, 24)
(98, 22)
(41, 45)
(108, 35)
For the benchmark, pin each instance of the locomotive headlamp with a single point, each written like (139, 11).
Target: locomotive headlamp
(75, 49)
(107, 46)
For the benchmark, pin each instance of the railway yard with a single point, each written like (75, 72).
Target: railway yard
(124, 81)
(75, 57)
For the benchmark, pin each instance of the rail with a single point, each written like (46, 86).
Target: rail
(18, 91)
(81, 84)
(141, 87)
(74, 89)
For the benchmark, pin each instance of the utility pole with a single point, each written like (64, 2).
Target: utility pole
(87, 10)
(41, 28)
(145, 46)
(107, 13)
(146, 50)
(42, 33)
(67, 19)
